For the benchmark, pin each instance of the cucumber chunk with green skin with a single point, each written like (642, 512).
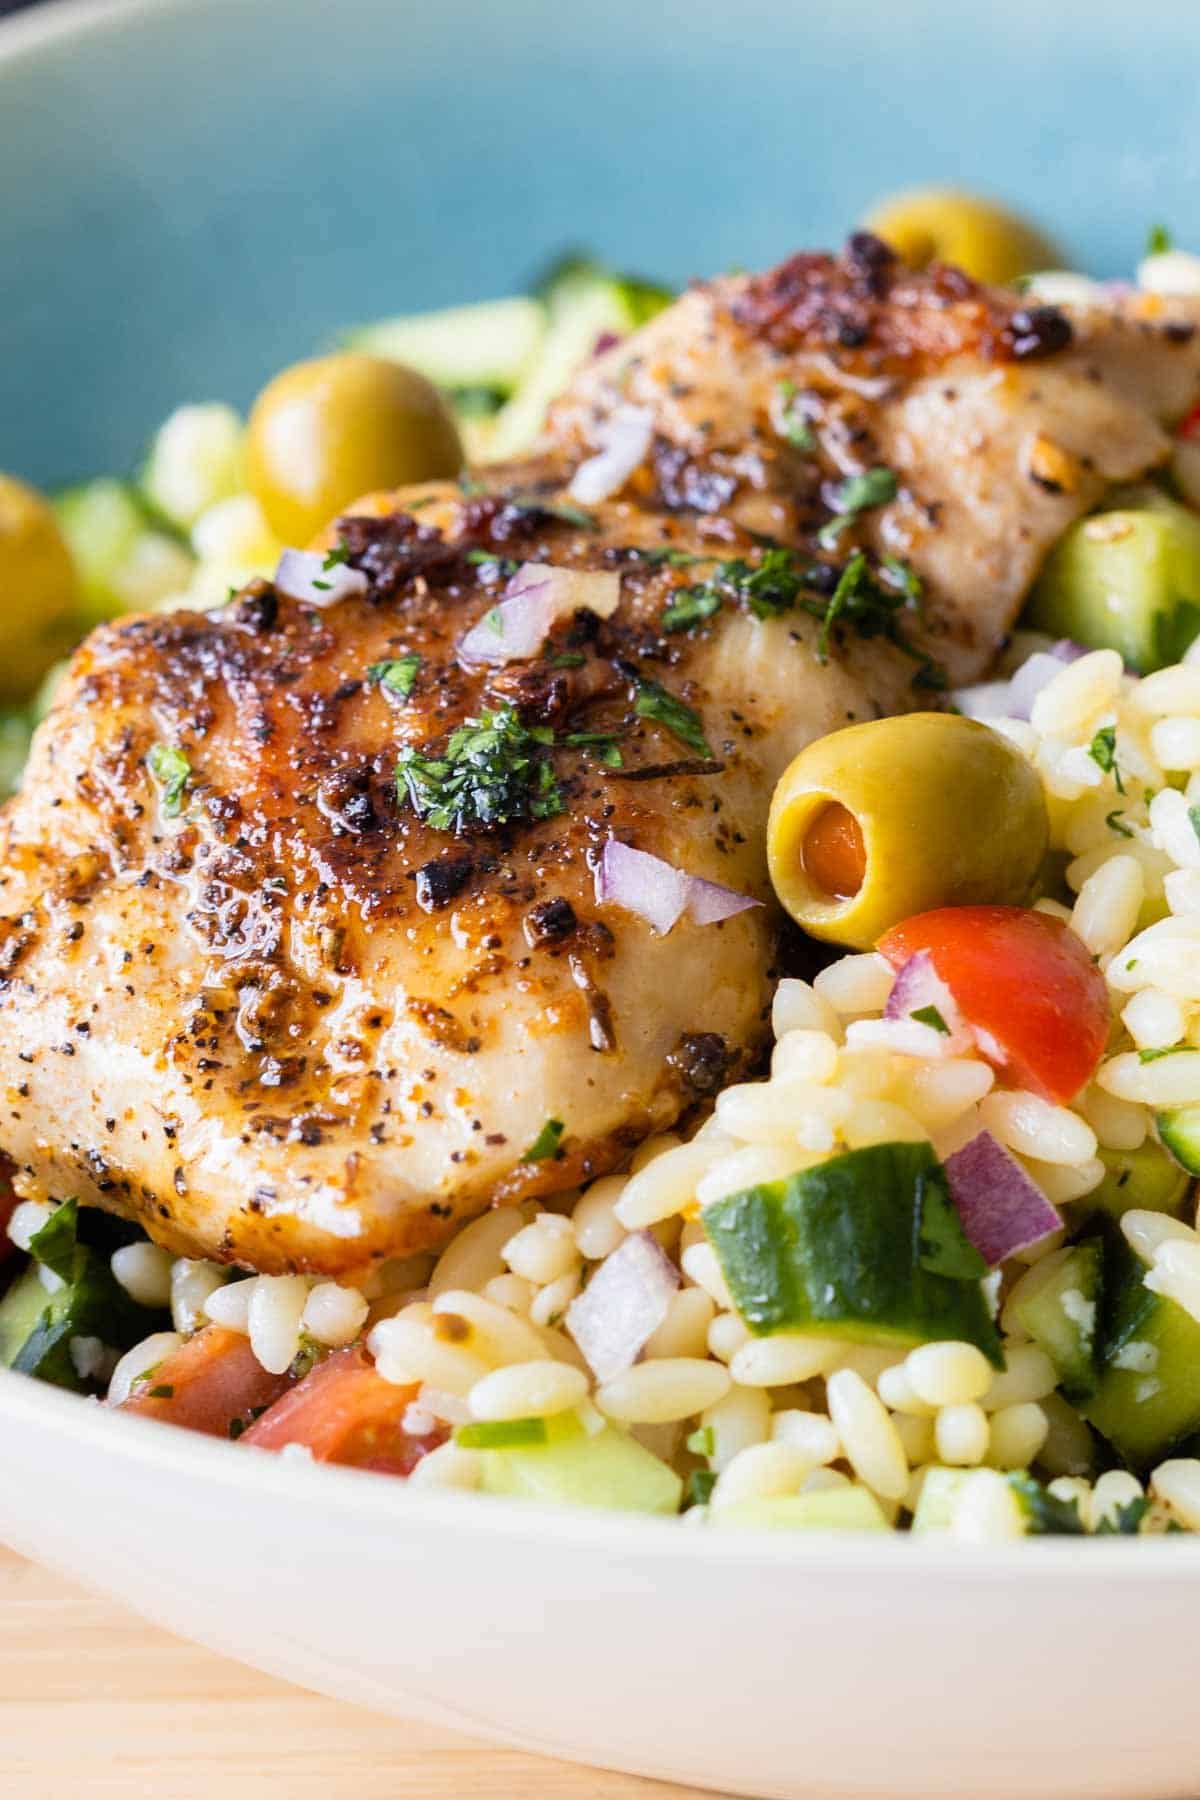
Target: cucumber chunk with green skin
(489, 345)
(586, 304)
(1127, 581)
(571, 1468)
(37, 1327)
(851, 1508)
(1147, 1394)
(1057, 1304)
(867, 1247)
(1146, 1178)
(1180, 1132)
(20, 1310)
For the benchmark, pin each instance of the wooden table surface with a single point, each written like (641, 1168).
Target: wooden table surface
(94, 1703)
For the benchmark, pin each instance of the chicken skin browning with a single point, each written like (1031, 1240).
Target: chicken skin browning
(295, 1009)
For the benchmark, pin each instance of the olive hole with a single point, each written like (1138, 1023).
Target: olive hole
(834, 855)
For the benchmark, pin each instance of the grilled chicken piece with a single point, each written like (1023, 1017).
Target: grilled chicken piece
(300, 1025)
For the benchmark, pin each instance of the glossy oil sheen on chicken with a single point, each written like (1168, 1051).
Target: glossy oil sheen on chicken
(300, 1025)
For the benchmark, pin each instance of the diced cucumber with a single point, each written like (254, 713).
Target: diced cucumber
(1180, 1132)
(1146, 1178)
(938, 1498)
(850, 1508)
(1147, 1396)
(867, 1246)
(609, 1469)
(1126, 580)
(20, 1310)
(501, 1434)
(37, 1327)
(1057, 1304)
(586, 303)
(194, 461)
(489, 345)
(122, 561)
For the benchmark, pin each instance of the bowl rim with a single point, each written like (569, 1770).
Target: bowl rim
(372, 1500)
(39, 27)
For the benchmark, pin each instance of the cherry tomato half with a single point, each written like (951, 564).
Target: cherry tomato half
(345, 1412)
(213, 1383)
(1022, 980)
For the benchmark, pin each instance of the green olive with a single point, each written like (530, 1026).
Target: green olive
(37, 589)
(942, 225)
(325, 431)
(897, 816)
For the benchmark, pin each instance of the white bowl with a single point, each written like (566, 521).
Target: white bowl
(757, 1663)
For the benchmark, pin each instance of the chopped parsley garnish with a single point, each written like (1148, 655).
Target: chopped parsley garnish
(691, 606)
(172, 770)
(654, 702)
(702, 1441)
(567, 659)
(1157, 1054)
(397, 675)
(492, 771)
(769, 588)
(660, 554)
(792, 422)
(1103, 752)
(553, 509)
(857, 494)
(163, 1392)
(54, 1244)
(1158, 239)
(1113, 821)
(1194, 819)
(504, 566)
(1124, 1521)
(701, 1483)
(1045, 1514)
(602, 743)
(929, 1015)
(339, 554)
(546, 1144)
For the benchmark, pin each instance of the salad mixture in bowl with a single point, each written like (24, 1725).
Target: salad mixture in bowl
(662, 972)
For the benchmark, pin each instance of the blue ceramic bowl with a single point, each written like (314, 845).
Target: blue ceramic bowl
(193, 192)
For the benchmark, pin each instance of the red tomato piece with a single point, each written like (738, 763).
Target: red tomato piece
(213, 1383)
(1024, 981)
(345, 1412)
(1190, 427)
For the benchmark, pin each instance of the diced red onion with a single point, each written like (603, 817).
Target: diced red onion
(623, 1305)
(708, 902)
(1002, 1210)
(917, 986)
(984, 700)
(871, 387)
(643, 884)
(607, 340)
(624, 440)
(302, 575)
(538, 594)
(660, 893)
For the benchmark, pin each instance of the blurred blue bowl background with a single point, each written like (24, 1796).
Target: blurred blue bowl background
(193, 192)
